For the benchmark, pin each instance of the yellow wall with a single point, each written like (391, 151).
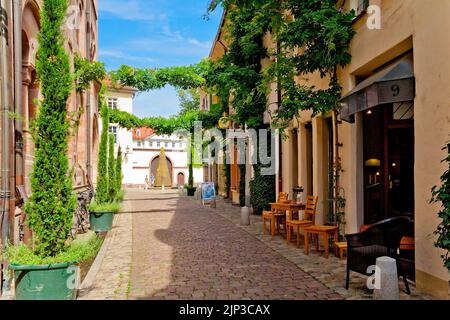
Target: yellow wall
(421, 26)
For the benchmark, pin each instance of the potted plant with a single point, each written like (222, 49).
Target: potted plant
(105, 205)
(441, 195)
(190, 186)
(101, 216)
(45, 269)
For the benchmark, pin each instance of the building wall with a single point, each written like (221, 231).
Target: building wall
(417, 26)
(406, 25)
(139, 152)
(141, 166)
(82, 146)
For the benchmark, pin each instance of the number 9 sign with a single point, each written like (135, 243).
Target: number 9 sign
(395, 90)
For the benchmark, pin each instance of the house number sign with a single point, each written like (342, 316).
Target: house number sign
(398, 91)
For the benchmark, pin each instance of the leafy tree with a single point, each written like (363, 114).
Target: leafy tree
(189, 100)
(102, 195)
(52, 203)
(112, 180)
(86, 72)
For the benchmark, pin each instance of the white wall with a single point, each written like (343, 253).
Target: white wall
(148, 149)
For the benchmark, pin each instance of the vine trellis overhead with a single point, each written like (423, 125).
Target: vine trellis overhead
(319, 27)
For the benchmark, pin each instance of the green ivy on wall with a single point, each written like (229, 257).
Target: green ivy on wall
(441, 195)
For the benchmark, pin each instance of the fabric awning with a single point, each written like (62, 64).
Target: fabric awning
(395, 83)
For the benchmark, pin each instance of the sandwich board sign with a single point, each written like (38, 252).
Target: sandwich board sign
(208, 192)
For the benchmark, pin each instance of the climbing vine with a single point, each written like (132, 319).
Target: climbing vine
(183, 77)
(238, 78)
(322, 31)
(87, 72)
(442, 195)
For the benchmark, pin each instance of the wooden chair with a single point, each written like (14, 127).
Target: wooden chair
(275, 216)
(310, 213)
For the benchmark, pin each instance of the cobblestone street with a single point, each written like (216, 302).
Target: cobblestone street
(164, 246)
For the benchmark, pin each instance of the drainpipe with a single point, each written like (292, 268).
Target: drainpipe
(5, 102)
(19, 156)
(88, 95)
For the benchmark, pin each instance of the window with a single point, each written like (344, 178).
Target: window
(138, 133)
(173, 145)
(166, 144)
(158, 144)
(113, 103)
(139, 144)
(113, 130)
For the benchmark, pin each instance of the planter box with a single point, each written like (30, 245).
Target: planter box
(101, 221)
(46, 282)
(191, 191)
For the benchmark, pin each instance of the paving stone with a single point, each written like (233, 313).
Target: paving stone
(171, 247)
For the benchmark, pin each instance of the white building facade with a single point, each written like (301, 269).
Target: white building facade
(141, 148)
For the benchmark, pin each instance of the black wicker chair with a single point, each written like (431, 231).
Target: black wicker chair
(379, 240)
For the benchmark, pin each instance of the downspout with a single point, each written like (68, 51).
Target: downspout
(19, 156)
(279, 140)
(5, 102)
(88, 95)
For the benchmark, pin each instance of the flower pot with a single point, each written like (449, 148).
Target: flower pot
(45, 282)
(101, 221)
(191, 192)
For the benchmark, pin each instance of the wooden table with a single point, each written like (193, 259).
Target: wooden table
(288, 207)
(326, 232)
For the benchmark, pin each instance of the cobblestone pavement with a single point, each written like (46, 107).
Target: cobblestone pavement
(168, 247)
(331, 272)
(182, 250)
(109, 276)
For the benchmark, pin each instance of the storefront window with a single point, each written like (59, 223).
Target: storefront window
(389, 162)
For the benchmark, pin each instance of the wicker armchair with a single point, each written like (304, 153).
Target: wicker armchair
(379, 240)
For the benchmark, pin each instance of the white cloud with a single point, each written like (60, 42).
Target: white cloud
(120, 55)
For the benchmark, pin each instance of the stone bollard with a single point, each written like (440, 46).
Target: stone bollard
(245, 216)
(196, 195)
(387, 288)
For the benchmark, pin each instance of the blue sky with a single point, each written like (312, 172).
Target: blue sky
(155, 33)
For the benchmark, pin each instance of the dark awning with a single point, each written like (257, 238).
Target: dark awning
(395, 83)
